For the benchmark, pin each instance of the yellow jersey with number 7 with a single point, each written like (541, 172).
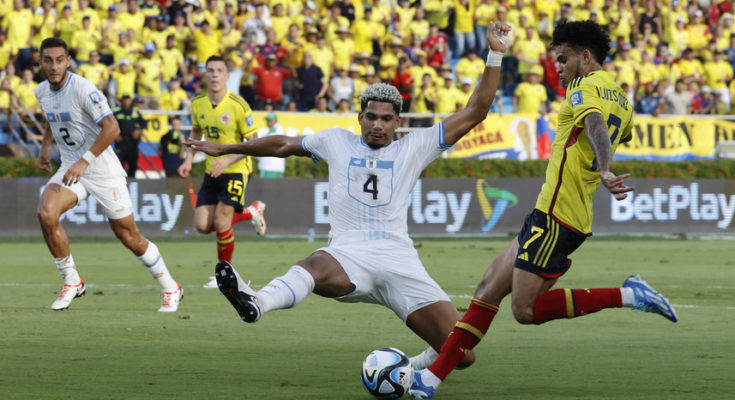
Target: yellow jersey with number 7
(572, 177)
(227, 123)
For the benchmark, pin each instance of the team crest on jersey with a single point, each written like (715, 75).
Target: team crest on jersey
(576, 98)
(249, 120)
(371, 164)
(224, 118)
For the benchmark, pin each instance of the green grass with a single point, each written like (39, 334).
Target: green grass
(112, 344)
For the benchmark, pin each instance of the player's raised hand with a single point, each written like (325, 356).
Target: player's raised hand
(616, 184)
(497, 36)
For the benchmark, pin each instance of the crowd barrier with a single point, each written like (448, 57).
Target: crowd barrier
(437, 206)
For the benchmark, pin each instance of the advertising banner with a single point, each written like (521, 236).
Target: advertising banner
(437, 206)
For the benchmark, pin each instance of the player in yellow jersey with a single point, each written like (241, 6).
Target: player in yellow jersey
(224, 118)
(593, 120)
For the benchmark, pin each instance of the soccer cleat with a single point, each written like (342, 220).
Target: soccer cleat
(418, 389)
(171, 300)
(68, 293)
(258, 219)
(239, 293)
(212, 284)
(646, 298)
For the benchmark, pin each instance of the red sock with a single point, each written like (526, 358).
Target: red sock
(192, 196)
(225, 245)
(466, 334)
(245, 215)
(571, 303)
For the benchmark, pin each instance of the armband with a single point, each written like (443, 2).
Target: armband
(89, 157)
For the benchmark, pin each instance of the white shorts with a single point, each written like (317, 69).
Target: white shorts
(387, 274)
(111, 193)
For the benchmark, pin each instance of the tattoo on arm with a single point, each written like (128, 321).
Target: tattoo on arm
(599, 139)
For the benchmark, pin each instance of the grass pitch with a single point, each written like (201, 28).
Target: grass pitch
(112, 344)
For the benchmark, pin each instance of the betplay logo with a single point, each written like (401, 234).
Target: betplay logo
(504, 200)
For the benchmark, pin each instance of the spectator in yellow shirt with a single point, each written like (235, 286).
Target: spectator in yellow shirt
(281, 22)
(470, 66)
(149, 75)
(95, 72)
(17, 25)
(8, 52)
(484, 13)
(446, 96)
(85, 11)
(205, 40)
(463, 95)
(464, 27)
(528, 51)
(690, 67)
(172, 59)
(133, 18)
(718, 73)
(44, 23)
(174, 98)
(295, 48)
(423, 101)
(26, 98)
(124, 77)
(343, 48)
(530, 96)
(419, 26)
(422, 67)
(85, 40)
(66, 25)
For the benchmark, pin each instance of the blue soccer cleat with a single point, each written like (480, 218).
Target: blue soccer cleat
(646, 298)
(418, 390)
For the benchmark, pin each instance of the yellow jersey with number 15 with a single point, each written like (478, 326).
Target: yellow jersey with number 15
(227, 123)
(572, 177)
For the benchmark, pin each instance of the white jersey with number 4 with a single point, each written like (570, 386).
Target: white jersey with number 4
(74, 113)
(369, 189)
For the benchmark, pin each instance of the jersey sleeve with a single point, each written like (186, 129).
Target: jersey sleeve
(246, 123)
(94, 102)
(425, 145)
(320, 144)
(584, 98)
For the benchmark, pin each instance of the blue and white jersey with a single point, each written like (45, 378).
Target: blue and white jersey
(74, 113)
(369, 189)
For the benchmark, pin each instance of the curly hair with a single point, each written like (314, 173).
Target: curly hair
(581, 35)
(384, 93)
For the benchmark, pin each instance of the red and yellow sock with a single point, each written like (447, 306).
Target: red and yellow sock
(225, 245)
(571, 303)
(192, 196)
(245, 215)
(466, 334)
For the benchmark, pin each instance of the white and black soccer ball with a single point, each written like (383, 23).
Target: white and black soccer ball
(387, 373)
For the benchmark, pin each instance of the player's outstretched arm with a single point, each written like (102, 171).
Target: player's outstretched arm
(459, 123)
(270, 146)
(599, 139)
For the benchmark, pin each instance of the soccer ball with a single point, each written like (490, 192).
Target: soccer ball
(387, 373)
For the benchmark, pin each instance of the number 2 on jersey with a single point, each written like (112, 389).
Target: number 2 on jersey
(66, 136)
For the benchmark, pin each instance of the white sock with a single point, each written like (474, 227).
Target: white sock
(153, 260)
(68, 270)
(424, 359)
(428, 378)
(626, 295)
(286, 291)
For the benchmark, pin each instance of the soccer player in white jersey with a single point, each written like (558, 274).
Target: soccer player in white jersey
(80, 120)
(370, 257)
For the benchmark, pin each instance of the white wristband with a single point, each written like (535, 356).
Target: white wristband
(494, 58)
(89, 157)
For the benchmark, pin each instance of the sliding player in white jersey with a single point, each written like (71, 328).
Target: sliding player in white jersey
(370, 257)
(80, 120)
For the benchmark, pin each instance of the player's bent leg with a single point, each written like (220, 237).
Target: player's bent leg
(526, 288)
(204, 219)
(330, 279)
(434, 323)
(147, 252)
(223, 226)
(55, 201)
(469, 331)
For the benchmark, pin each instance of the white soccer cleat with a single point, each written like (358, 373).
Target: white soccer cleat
(68, 293)
(212, 284)
(258, 219)
(171, 300)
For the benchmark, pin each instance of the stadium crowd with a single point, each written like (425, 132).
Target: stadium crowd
(673, 57)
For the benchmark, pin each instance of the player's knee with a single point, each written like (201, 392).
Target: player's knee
(523, 313)
(203, 227)
(47, 217)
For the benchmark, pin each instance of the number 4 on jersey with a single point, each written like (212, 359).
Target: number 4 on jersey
(371, 186)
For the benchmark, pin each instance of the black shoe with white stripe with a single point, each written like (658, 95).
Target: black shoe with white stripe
(239, 293)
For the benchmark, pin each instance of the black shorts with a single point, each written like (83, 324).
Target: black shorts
(226, 188)
(545, 245)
